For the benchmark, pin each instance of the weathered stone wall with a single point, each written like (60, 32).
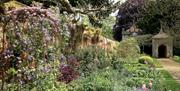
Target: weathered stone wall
(158, 42)
(177, 41)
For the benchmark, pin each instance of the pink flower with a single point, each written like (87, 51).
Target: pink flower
(144, 87)
(150, 84)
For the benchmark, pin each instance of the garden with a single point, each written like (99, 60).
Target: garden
(78, 45)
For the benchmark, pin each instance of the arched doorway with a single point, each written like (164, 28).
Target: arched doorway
(162, 51)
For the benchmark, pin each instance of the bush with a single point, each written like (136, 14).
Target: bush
(44, 78)
(146, 60)
(92, 59)
(102, 80)
(128, 48)
(107, 24)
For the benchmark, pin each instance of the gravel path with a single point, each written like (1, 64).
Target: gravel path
(172, 67)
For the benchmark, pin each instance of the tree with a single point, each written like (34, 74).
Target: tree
(128, 14)
(96, 3)
(95, 10)
(160, 12)
(148, 15)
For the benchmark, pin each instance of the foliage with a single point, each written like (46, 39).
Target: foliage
(96, 18)
(138, 74)
(128, 48)
(68, 72)
(176, 58)
(107, 24)
(23, 27)
(27, 2)
(155, 13)
(91, 59)
(144, 39)
(91, 2)
(149, 18)
(145, 75)
(146, 60)
(167, 82)
(28, 32)
(102, 80)
(32, 59)
(156, 63)
(43, 78)
(128, 14)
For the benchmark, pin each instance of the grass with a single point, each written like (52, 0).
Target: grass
(156, 63)
(176, 59)
(169, 82)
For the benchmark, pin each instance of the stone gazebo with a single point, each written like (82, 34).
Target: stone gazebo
(162, 45)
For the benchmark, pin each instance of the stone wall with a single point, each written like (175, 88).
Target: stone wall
(177, 41)
(158, 42)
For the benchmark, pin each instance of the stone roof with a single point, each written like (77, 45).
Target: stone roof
(161, 35)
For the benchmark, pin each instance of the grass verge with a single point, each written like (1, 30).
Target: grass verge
(169, 83)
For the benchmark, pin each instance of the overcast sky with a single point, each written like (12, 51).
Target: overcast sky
(115, 13)
(119, 0)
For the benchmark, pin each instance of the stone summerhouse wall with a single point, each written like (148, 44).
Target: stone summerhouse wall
(177, 41)
(166, 42)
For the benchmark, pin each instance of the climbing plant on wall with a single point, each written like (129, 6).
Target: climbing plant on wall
(28, 34)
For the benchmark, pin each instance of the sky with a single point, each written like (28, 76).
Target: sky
(116, 12)
(119, 0)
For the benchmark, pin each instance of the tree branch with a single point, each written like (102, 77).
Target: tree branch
(66, 6)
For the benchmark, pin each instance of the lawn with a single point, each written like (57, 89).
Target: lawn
(176, 59)
(169, 83)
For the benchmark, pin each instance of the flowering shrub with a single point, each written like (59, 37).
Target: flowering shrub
(26, 14)
(41, 79)
(28, 27)
(29, 32)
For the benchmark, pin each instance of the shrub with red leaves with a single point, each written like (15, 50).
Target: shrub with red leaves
(68, 71)
(72, 61)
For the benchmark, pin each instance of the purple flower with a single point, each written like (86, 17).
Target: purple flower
(30, 58)
(21, 82)
(63, 66)
(29, 49)
(29, 77)
(46, 69)
(25, 42)
(18, 34)
(62, 58)
(48, 38)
